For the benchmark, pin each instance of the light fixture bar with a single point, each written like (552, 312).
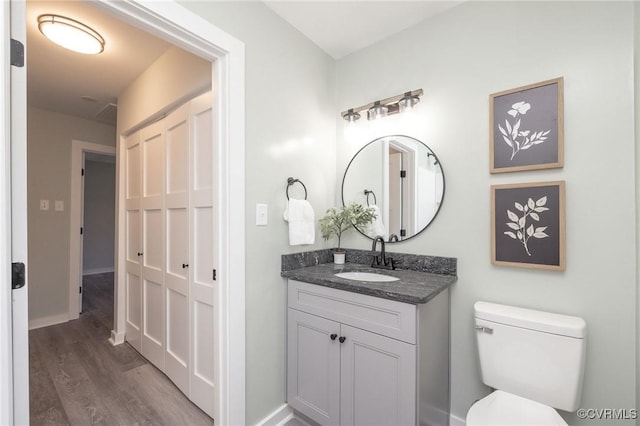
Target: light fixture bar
(391, 104)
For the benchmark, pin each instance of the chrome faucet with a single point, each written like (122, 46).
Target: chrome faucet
(381, 261)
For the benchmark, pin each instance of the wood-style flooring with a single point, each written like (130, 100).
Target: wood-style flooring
(77, 377)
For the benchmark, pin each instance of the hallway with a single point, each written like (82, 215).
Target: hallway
(77, 377)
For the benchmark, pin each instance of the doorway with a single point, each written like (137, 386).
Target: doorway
(175, 23)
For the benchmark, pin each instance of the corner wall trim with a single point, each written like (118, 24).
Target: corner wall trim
(279, 417)
(116, 338)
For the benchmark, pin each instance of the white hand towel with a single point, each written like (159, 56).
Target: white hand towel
(376, 227)
(301, 218)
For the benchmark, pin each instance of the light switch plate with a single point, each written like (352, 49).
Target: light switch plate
(59, 206)
(44, 204)
(262, 215)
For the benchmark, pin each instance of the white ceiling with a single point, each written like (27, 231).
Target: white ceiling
(57, 79)
(343, 27)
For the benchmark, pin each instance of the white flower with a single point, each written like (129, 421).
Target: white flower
(519, 108)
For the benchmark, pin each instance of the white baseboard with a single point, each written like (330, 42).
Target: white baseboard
(279, 417)
(116, 338)
(47, 321)
(96, 271)
(456, 421)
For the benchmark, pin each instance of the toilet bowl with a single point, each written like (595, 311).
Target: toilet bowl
(535, 362)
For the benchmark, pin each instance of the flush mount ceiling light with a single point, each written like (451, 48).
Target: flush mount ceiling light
(70, 34)
(384, 107)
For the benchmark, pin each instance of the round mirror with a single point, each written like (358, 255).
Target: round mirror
(402, 179)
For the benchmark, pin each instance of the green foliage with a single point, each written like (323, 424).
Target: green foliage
(335, 221)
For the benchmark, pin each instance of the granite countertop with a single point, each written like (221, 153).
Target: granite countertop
(413, 287)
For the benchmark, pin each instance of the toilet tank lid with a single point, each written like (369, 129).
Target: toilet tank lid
(564, 325)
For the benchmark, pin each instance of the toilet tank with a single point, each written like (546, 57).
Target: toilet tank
(534, 354)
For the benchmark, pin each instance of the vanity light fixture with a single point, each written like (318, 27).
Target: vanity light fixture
(384, 107)
(71, 34)
(377, 111)
(351, 116)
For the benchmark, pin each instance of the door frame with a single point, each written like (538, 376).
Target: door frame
(172, 22)
(6, 347)
(76, 208)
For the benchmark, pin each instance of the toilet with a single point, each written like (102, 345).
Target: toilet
(535, 362)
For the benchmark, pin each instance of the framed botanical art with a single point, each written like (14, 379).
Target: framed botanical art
(528, 225)
(526, 127)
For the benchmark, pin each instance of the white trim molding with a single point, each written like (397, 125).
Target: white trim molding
(279, 417)
(175, 24)
(47, 321)
(456, 421)
(96, 271)
(78, 148)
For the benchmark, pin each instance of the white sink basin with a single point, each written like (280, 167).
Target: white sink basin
(366, 276)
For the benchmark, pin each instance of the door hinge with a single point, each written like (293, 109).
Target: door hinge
(82, 172)
(214, 275)
(17, 53)
(403, 173)
(17, 275)
(403, 232)
(81, 230)
(80, 289)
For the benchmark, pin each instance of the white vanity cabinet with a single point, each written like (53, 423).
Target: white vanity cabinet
(355, 359)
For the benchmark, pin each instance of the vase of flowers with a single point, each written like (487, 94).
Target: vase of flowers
(336, 221)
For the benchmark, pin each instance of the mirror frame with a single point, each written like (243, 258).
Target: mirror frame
(444, 186)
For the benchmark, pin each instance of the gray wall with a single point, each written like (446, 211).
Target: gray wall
(459, 58)
(99, 217)
(290, 131)
(49, 137)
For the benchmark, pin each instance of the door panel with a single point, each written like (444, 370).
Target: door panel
(153, 322)
(176, 195)
(133, 242)
(152, 271)
(386, 397)
(202, 245)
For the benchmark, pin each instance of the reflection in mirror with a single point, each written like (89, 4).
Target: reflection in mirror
(402, 179)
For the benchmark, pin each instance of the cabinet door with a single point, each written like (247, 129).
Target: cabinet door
(313, 370)
(378, 383)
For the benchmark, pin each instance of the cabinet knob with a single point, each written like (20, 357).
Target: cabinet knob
(333, 336)
(139, 254)
(342, 339)
(185, 265)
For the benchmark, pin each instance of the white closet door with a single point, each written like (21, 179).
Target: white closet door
(153, 294)
(133, 249)
(177, 247)
(203, 243)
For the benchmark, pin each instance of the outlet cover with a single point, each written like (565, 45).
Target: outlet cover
(59, 206)
(44, 204)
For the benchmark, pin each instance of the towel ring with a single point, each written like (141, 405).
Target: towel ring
(291, 181)
(367, 192)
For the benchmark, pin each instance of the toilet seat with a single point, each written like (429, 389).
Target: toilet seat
(504, 409)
